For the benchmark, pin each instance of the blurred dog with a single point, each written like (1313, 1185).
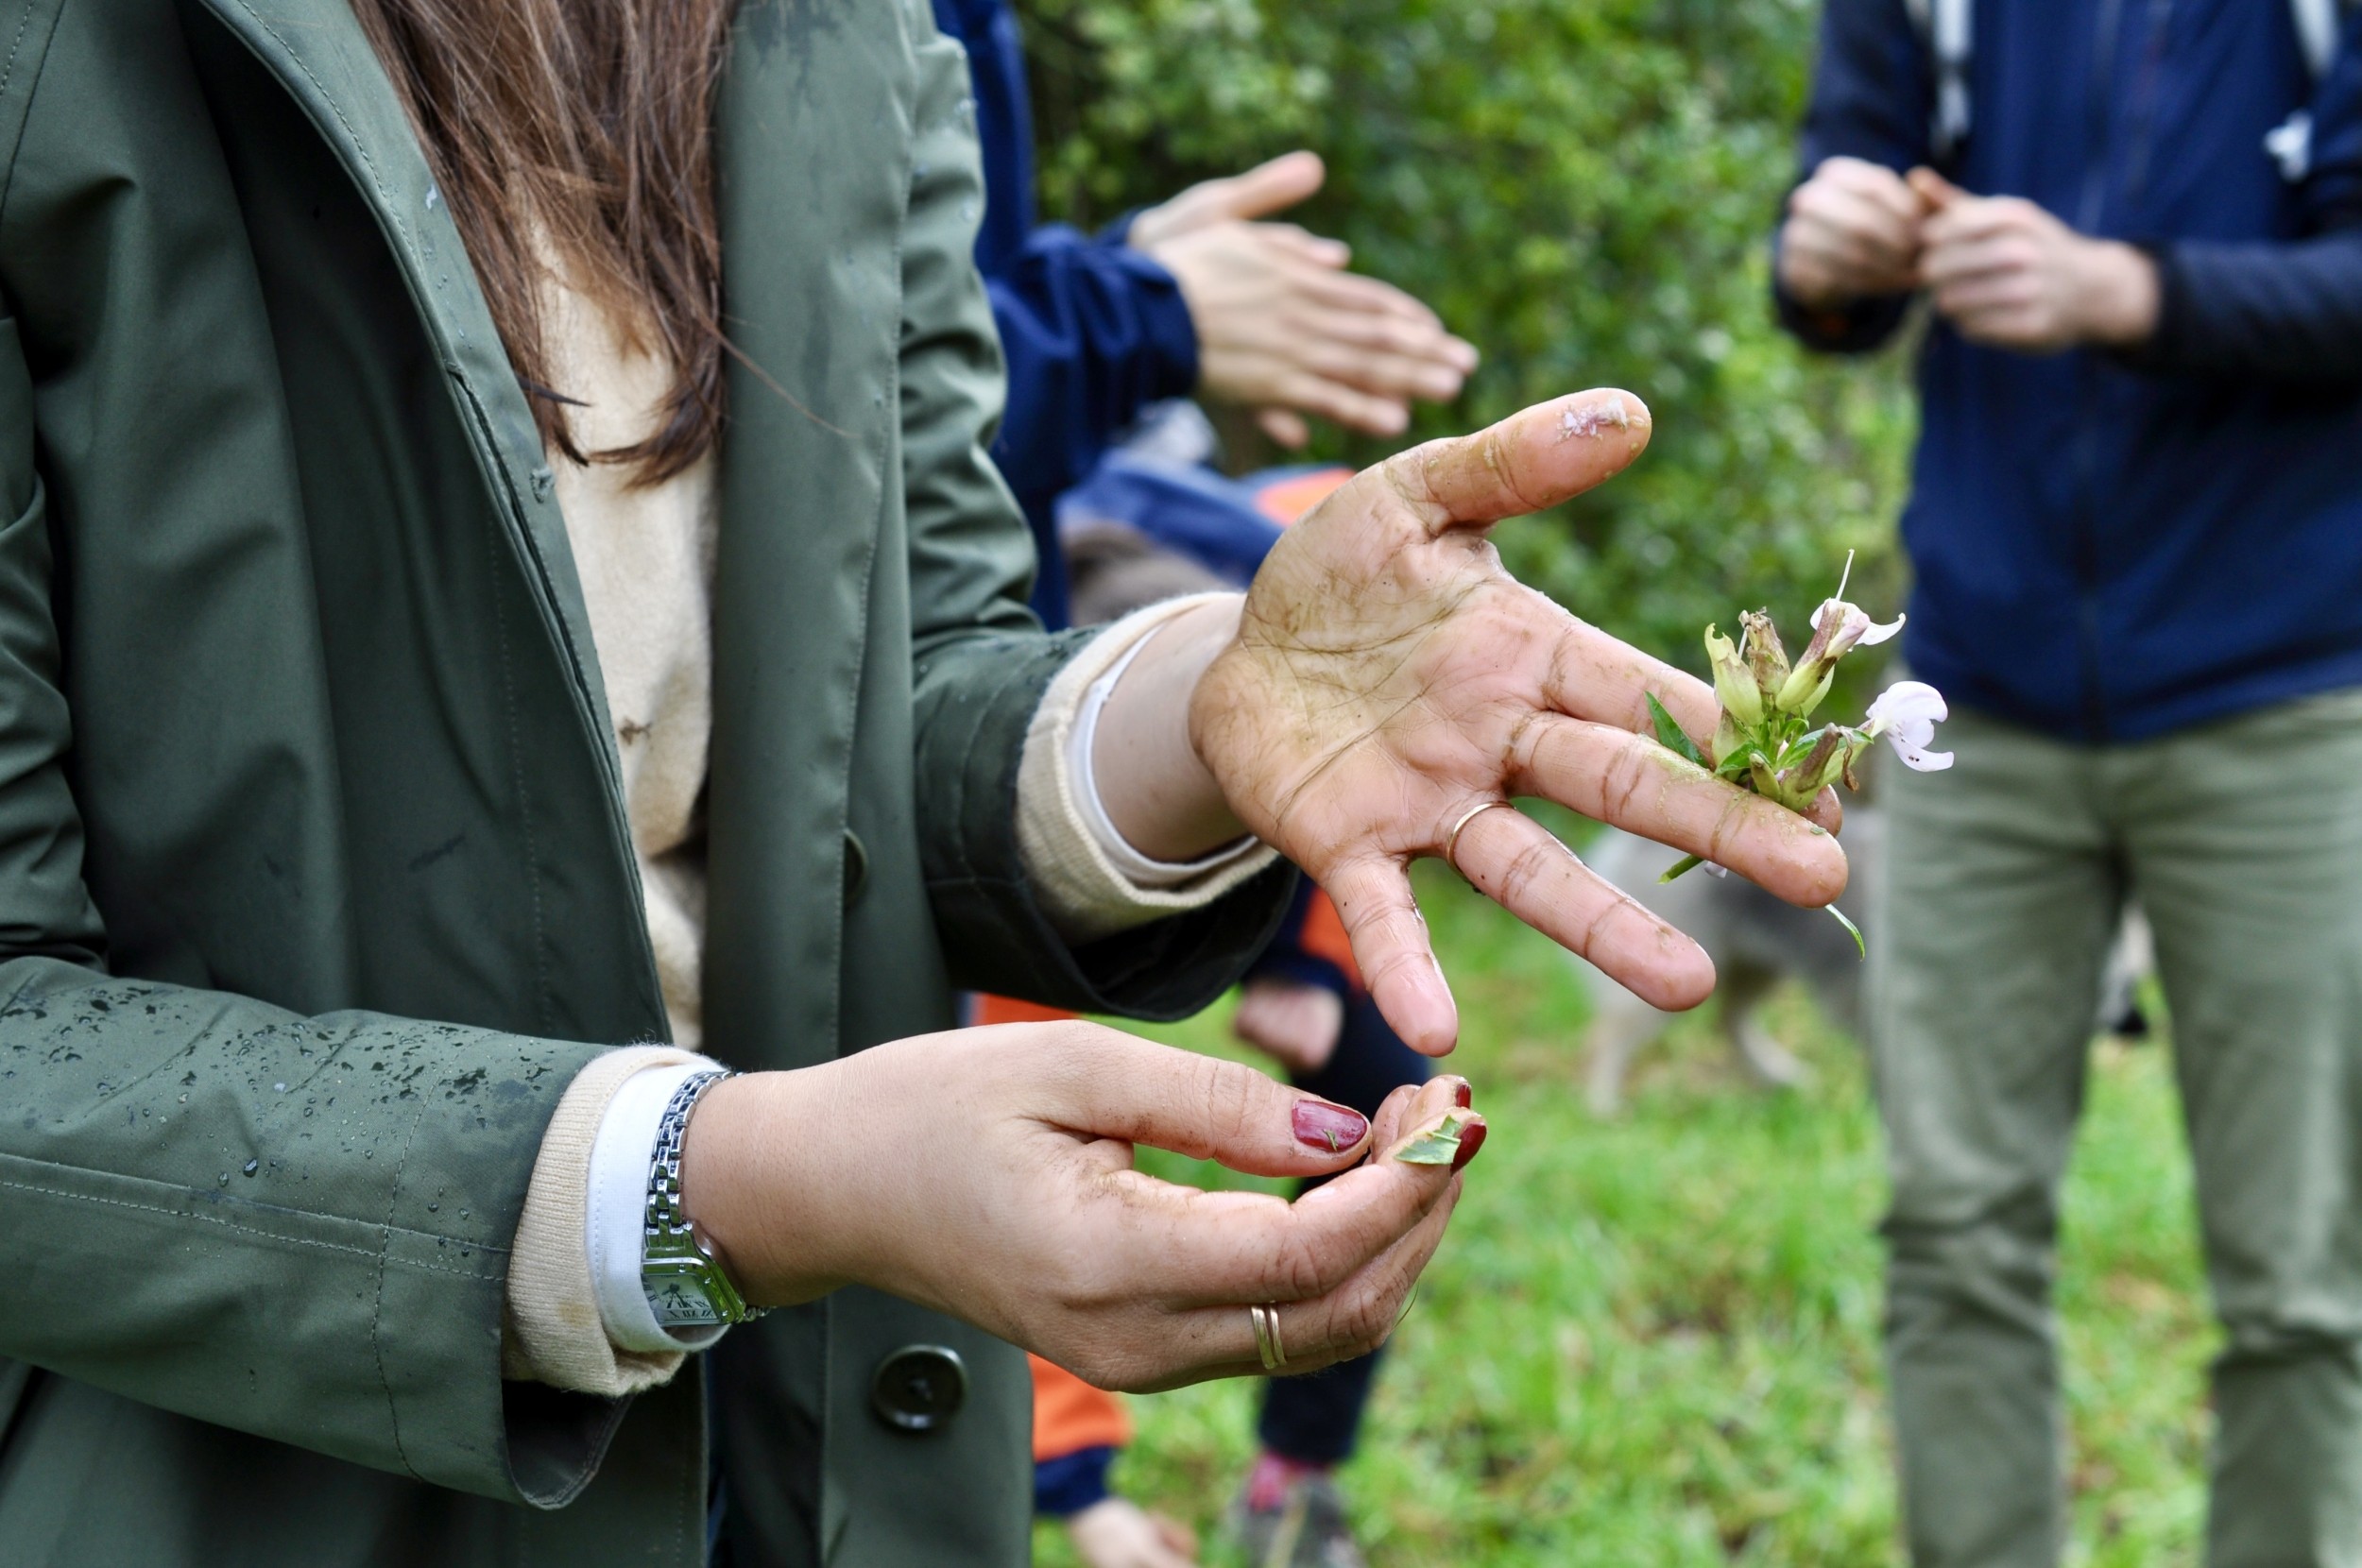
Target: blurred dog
(1756, 942)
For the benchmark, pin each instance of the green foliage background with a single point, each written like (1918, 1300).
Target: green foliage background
(1583, 188)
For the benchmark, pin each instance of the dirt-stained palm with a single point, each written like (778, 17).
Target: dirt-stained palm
(1390, 676)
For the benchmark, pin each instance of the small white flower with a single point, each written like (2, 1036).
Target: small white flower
(1871, 633)
(1907, 714)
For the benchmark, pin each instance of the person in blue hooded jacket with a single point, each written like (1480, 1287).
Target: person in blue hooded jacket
(1199, 295)
(2137, 532)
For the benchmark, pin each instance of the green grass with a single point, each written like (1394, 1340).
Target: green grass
(1655, 1340)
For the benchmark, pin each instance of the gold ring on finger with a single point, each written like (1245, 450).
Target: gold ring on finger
(1451, 841)
(1267, 1345)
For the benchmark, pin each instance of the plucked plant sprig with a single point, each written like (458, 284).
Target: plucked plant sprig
(1764, 738)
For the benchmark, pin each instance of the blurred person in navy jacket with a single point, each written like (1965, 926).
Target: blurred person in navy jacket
(2137, 532)
(1199, 296)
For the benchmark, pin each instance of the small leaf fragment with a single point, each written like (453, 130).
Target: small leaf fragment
(1681, 867)
(1670, 735)
(1438, 1144)
(1851, 929)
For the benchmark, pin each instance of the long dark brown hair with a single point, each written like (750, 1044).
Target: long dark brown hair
(591, 121)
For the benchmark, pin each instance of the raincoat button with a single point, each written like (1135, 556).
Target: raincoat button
(919, 1388)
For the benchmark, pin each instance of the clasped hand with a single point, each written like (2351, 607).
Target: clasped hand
(2001, 269)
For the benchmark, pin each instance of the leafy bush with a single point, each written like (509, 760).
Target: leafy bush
(1585, 189)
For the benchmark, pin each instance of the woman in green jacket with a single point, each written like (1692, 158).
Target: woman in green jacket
(502, 575)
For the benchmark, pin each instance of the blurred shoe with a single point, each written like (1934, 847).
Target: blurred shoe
(1298, 1524)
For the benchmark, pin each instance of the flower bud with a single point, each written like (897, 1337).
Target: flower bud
(1734, 683)
(1830, 759)
(1838, 628)
(1765, 660)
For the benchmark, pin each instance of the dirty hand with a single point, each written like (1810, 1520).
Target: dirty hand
(1387, 677)
(1281, 326)
(2008, 275)
(1853, 230)
(987, 1173)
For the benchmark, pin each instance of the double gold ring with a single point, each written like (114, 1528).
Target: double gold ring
(1266, 1322)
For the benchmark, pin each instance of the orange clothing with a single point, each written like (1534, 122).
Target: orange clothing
(1070, 1415)
(1286, 499)
(990, 1009)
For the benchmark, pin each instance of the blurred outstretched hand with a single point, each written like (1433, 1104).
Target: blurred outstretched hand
(1282, 326)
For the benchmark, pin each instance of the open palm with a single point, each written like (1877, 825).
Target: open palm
(1390, 677)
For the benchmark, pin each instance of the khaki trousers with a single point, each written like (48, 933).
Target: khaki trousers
(2242, 840)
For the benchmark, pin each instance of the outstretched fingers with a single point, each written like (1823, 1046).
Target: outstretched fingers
(1517, 863)
(1613, 775)
(1596, 676)
(1391, 950)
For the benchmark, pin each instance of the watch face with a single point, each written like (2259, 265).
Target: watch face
(678, 1304)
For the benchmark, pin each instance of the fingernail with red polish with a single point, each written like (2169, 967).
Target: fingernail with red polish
(1463, 1095)
(1330, 1129)
(1471, 1139)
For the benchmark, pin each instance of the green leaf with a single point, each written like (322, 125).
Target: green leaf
(1681, 867)
(1672, 735)
(1851, 929)
(1438, 1144)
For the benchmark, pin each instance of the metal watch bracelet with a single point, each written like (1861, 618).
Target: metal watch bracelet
(685, 1287)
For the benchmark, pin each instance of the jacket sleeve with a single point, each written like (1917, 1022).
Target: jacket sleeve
(293, 1226)
(2288, 311)
(981, 662)
(1093, 331)
(1872, 96)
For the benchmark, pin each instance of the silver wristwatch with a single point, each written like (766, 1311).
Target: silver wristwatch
(685, 1287)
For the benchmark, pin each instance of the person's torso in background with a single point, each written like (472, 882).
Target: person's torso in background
(2105, 554)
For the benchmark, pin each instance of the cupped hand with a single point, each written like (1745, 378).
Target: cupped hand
(2008, 274)
(987, 1173)
(1389, 678)
(1853, 230)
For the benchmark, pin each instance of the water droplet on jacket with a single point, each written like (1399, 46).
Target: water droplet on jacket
(434, 198)
(251, 1166)
(225, 1178)
(432, 1207)
(281, 1087)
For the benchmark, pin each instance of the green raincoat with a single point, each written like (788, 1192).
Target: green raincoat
(315, 883)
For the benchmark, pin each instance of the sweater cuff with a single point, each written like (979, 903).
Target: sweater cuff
(1091, 884)
(554, 1329)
